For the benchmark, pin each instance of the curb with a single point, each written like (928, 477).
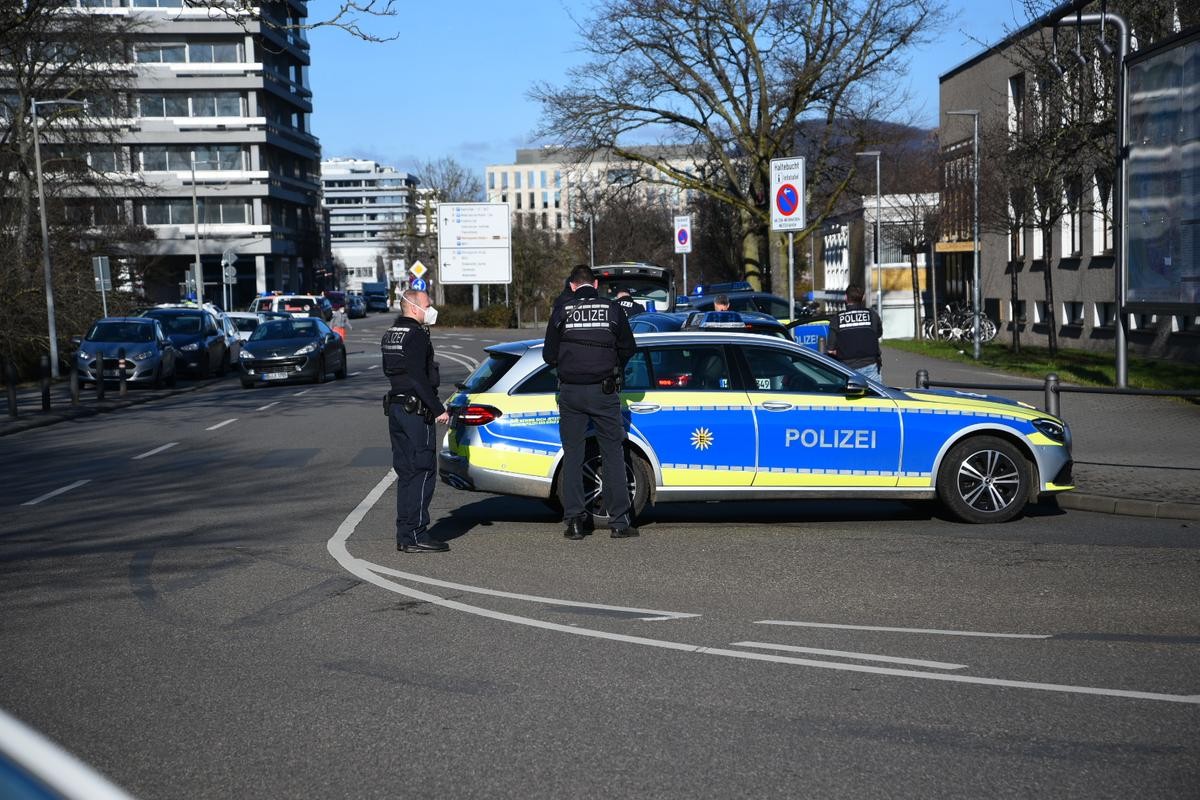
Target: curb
(1127, 507)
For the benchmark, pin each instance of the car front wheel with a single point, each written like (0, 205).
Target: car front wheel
(984, 479)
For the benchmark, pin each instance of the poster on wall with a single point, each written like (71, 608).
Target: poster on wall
(1162, 207)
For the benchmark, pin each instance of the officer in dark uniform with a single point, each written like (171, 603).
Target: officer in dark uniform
(625, 301)
(854, 335)
(589, 340)
(412, 408)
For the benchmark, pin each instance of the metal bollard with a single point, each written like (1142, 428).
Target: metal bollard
(74, 381)
(121, 372)
(1052, 394)
(922, 379)
(45, 364)
(10, 382)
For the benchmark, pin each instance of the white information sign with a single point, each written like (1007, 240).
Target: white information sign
(683, 234)
(788, 200)
(474, 243)
(398, 269)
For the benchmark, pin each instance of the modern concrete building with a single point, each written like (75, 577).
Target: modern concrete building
(1013, 99)
(220, 110)
(849, 256)
(366, 202)
(546, 190)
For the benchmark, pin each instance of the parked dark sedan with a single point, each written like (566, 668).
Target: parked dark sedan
(356, 307)
(301, 348)
(198, 335)
(149, 356)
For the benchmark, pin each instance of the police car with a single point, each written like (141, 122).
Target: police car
(737, 416)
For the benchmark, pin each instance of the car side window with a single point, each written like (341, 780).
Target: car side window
(778, 370)
(637, 373)
(544, 381)
(702, 368)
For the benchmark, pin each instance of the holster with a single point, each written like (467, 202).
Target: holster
(612, 383)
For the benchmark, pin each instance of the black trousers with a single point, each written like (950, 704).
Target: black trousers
(415, 462)
(579, 404)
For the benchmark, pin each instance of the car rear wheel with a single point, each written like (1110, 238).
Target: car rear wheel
(637, 473)
(984, 479)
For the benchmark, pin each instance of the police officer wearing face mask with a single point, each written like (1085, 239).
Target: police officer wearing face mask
(412, 408)
(589, 340)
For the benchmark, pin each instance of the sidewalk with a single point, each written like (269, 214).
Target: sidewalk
(1138, 456)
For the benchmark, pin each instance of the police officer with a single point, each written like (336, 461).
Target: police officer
(628, 304)
(854, 335)
(721, 302)
(412, 408)
(589, 340)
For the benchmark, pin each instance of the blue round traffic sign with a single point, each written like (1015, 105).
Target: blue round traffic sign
(787, 199)
(682, 236)
(419, 284)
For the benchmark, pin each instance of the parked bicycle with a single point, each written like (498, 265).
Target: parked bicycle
(956, 324)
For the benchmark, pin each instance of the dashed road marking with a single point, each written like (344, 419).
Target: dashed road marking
(56, 492)
(373, 366)
(302, 391)
(816, 651)
(268, 405)
(155, 451)
(352, 374)
(221, 424)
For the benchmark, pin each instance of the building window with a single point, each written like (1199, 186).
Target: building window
(1102, 216)
(545, 199)
(1041, 313)
(532, 204)
(1072, 227)
(213, 53)
(1072, 313)
(1143, 322)
(1185, 323)
(1016, 314)
(1016, 104)
(503, 180)
(516, 180)
(1105, 316)
(162, 104)
(178, 159)
(491, 180)
(217, 104)
(519, 195)
(543, 179)
(162, 54)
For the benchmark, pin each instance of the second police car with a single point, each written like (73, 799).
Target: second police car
(736, 416)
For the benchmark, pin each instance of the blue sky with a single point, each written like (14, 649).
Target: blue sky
(455, 82)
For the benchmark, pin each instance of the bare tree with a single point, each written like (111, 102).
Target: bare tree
(50, 53)
(732, 79)
(540, 263)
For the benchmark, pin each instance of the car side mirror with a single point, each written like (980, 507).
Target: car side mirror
(77, 340)
(856, 386)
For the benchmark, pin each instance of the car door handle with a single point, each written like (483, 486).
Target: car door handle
(644, 408)
(775, 405)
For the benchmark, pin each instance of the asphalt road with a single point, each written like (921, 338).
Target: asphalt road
(213, 607)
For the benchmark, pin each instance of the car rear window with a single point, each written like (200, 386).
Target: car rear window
(489, 372)
(245, 323)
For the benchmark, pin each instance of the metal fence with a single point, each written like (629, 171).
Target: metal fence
(1051, 387)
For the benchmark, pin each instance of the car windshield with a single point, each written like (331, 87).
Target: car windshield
(245, 323)
(284, 329)
(121, 332)
(641, 289)
(180, 323)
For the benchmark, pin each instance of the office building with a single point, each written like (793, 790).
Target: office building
(369, 205)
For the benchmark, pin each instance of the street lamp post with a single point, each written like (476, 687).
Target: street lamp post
(199, 267)
(878, 246)
(37, 159)
(976, 300)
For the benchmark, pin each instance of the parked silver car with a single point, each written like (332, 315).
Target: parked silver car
(149, 355)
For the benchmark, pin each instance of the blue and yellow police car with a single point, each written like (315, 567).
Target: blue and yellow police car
(739, 416)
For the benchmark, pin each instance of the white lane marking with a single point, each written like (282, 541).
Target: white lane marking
(302, 391)
(903, 630)
(155, 451)
(459, 358)
(268, 405)
(373, 366)
(915, 662)
(56, 492)
(460, 347)
(336, 547)
(352, 374)
(656, 615)
(221, 424)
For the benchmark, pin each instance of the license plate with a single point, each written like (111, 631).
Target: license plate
(275, 376)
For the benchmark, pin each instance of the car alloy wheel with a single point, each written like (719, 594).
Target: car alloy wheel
(637, 472)
(984, 479)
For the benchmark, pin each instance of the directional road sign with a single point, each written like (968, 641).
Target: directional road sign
(229, 274)
(419, 284)
(788, 209)
(474, 243)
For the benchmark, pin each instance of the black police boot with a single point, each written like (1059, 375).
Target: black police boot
(623, 533)
(423, 545)
(578, 528)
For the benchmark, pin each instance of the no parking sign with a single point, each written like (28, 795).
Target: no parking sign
(683, 234)
(788, 208)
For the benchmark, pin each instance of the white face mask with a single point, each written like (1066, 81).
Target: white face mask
(428, 315)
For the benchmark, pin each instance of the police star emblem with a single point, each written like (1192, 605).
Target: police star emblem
(702, 438)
